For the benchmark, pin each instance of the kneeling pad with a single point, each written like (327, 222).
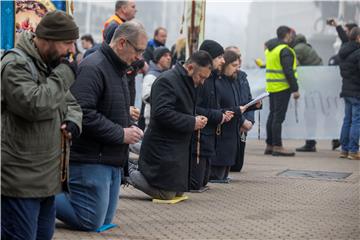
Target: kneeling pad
(106, 227)
(172, 201)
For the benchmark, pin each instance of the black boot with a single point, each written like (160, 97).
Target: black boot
(335, 144)
(308, 147)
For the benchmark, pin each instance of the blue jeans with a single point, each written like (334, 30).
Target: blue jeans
(27, 218)
(93, 197)
(350, 131)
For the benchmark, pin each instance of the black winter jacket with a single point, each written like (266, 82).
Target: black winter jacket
(101, 89)
(350, 69)
(208, 106)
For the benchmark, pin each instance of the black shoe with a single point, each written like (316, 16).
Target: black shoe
(126, 182)
(335, 144)
(306, 148)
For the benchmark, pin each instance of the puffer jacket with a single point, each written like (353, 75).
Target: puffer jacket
(350, 69)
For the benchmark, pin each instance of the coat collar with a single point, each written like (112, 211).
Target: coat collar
(113, 58)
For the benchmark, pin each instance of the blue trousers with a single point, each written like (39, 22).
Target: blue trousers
(27, 218)
(350, 131)
(93, 197)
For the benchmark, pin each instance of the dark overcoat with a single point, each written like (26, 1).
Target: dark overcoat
(228, 138)
(165, 152)
(208, 106)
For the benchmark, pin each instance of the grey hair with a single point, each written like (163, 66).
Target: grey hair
(130, 30)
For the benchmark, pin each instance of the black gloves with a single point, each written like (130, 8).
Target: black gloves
(73, 129)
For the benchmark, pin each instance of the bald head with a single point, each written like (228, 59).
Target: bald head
(126, 10)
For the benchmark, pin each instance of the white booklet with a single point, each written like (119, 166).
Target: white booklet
(257, 99)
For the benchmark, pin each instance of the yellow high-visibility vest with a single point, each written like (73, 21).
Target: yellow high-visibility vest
(275, 78)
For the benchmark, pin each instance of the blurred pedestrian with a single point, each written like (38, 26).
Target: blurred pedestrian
(124, 11)
(350, 72)
(159, 40)
(306, 56)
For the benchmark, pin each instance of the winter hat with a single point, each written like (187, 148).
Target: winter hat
(57, 25)
(212, 47)
(159, 52)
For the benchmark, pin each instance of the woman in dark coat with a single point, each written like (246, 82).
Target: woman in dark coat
(245, 97)
(229, 136)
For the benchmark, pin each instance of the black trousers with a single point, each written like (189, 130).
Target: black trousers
(199, 173)
(278, 106)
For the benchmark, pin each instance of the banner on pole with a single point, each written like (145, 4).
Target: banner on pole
(18, 16)
(320, 110)
(194, 27)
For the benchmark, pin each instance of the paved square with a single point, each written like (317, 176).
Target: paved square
(257, 204)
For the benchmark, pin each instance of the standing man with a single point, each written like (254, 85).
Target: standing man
(36, 110)
(165, 155)
(350, 72)
(87, 41)
(306, 56)
(281, 82)
(159, 40)
(124, 11)
(204, 140)
(97, 157)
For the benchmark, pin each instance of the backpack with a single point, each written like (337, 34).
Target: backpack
(29, 62)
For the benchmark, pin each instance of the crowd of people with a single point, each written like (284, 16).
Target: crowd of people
(67, 127)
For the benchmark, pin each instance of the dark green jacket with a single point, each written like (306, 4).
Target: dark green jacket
(32, 112)
(305, 54)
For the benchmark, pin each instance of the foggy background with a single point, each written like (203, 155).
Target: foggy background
(247, 24)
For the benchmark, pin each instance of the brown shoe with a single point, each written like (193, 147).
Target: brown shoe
(281, 151)
(354, 156)
(268, 149)
(343, 154)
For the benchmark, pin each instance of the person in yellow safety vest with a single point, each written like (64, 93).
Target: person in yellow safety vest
(124, 11)
(281, 82)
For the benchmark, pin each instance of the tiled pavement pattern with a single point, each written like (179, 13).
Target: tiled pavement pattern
(257, 204)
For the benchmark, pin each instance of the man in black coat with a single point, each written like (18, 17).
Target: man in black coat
(165, 153)
(203, 141)
(97, 157)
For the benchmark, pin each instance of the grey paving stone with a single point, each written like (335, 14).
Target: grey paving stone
(257, 204)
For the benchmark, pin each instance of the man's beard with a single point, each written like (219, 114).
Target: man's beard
(53, 59)
(233, 76)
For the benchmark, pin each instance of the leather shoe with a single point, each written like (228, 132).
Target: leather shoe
(282, 152)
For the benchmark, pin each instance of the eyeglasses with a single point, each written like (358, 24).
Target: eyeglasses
(137, 50)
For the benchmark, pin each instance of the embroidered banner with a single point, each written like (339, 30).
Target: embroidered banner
(18, 16)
